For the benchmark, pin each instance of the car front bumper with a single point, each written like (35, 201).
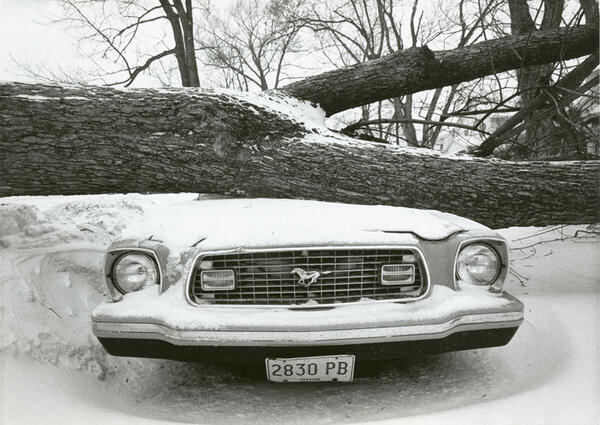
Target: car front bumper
(161, 326)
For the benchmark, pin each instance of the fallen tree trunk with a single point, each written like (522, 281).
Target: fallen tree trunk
(75, 140)
(417, 69)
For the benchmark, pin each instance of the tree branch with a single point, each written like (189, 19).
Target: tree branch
(413, 70)
(138, 70)
(501, 134)
(350, 129)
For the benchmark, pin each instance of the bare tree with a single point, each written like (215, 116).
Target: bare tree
(532, 79)
(551, 128)
(254, 46)
(251, 44)
(122, 31)
(355, 31)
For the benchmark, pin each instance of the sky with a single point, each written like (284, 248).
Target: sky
(27, 37)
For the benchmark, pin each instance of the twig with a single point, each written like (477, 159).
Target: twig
(53, 311)
(522, 279)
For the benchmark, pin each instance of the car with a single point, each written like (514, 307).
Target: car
(309, 289)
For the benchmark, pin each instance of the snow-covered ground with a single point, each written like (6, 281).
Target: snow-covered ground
(54, 371)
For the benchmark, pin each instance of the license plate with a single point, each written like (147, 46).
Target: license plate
(311, 369)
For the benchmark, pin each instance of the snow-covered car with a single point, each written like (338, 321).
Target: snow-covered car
(310, 289)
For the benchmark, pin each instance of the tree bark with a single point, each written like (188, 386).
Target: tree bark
(184, 51)
(590, 10)
(75, 140)
(541, 134)
(186, 20)
(417, 69)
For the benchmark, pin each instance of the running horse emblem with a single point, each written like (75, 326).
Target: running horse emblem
(307, 278)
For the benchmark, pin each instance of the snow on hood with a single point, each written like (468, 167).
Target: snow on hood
(230, 223)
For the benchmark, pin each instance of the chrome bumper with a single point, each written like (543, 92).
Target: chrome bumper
(167, 318)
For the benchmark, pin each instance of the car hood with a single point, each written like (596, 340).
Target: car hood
(231, 223)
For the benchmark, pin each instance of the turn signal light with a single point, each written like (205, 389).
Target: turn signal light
(398, 274)
(217, 280)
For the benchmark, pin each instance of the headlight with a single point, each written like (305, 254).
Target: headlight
(132, 272)
(477, 264)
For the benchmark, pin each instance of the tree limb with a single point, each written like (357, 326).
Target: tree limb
(413, 70)
(484, 111)
(501, 134)
(350, 129)
(138, 70)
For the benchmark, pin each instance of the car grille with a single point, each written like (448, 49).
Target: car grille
(347, 275)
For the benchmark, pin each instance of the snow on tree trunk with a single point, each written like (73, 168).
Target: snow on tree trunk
(83, 140)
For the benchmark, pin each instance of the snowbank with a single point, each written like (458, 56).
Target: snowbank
(50, 280)
(51, 252)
